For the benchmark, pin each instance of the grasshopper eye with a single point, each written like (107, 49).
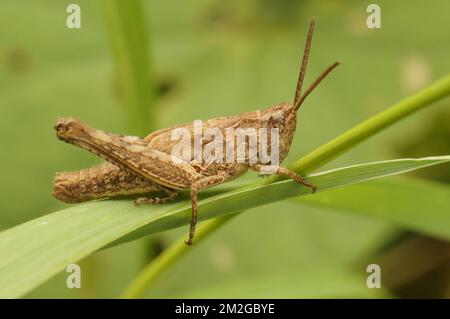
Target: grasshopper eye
(277, 117)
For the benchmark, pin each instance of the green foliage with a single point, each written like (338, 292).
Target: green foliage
(129, 37)
(417, 205)
(44, 246)
(219, 58)
(259, 195)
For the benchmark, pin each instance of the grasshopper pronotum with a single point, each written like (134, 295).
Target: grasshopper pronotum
(145, 165)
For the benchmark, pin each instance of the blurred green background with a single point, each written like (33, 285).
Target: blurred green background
(212, 58)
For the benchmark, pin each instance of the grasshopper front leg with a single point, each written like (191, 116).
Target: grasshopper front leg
(283, 171)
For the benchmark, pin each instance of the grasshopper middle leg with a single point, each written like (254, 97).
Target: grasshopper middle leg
(171, 195)
(198, 186)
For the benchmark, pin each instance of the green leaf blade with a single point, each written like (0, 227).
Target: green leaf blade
(418, 205)
(36, 250)
(127, 30)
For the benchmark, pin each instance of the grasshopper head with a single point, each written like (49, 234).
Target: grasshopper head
(279, 115)
(284, 116)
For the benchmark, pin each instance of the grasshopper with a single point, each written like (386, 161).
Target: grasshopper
(137, 166)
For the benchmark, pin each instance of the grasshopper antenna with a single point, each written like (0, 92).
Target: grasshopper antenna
(315, 84)
(298, 99)
(301, 75)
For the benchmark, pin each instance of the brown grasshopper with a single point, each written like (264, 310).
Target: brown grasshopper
(145, 165)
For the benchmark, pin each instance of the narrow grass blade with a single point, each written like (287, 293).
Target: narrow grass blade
(417, 205)
(34, 251)
(435, 222)
(127, 29)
